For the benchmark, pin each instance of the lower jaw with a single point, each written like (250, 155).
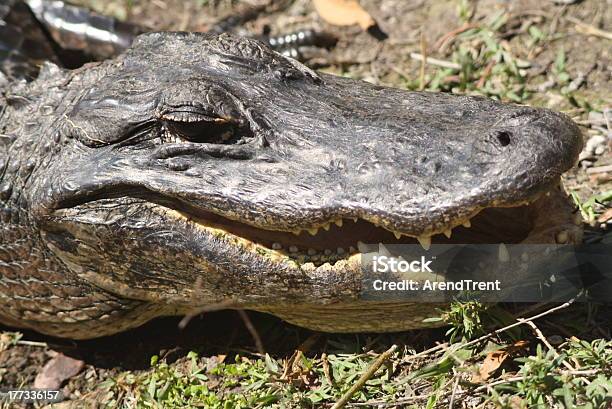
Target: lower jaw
(326, 297)
(553, 221)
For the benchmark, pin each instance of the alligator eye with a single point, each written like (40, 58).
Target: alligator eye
(197, 128)
(202, 131)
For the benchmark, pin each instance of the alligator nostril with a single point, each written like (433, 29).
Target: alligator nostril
(503, 137)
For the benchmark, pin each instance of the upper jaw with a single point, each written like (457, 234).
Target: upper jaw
(273, 187)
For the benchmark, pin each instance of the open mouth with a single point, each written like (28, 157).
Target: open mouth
(340, 239)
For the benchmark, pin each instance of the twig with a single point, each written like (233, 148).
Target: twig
(445, 346)
(395, 403)
(160, 4)
(542, 338)
(32, 343)
(600, 169)
(426, 352)
(520, 378)
(249, 325)
(589, 29)
(516, 324)
(448, 37)
(471, 391)
(500, 382)
(399, 401)
(209, 308)
(452, 398)
(583, 372)
(403, 74)
(485, 74)
(423, 63)
(365, 377)
(531, 309)
(539, 306)
(435, 61)
(326, 369)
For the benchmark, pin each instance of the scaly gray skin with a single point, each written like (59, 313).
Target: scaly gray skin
(171, 178)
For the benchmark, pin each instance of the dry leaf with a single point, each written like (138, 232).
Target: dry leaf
(344, 13)
(326, 369)
(491, 363)
(495, 359)
(288, 365)
(56, 371)
(607, 215)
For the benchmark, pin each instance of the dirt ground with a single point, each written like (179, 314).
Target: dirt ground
(412, 26)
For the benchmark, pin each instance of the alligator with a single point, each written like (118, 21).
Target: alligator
(198, 170)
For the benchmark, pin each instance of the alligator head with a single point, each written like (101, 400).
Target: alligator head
(197, 169)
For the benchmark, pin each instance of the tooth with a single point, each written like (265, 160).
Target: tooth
(327, 252)
(313, 231)
(340, 250)
(277, 246)
(362, 247)
(293, 249)
(355, 219)
(562, 237)
(352, 250)
(467, 224)
(326, 227)
(397, 235)
(297, 232)
(312, 252)
(425, 242)
(315, 257)
(502, 253)
(383, 250)
(338, 222)
(448, 233)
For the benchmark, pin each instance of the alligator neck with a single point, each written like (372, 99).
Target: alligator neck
(20, 138)
(28, 113)
(30, 125)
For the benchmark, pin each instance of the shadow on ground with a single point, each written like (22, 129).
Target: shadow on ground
(218, 333)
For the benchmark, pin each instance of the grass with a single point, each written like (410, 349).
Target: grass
(492, 58)
(593, 206)
(544, 382)
(486, 64)
(485, 358)
(531, 373)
